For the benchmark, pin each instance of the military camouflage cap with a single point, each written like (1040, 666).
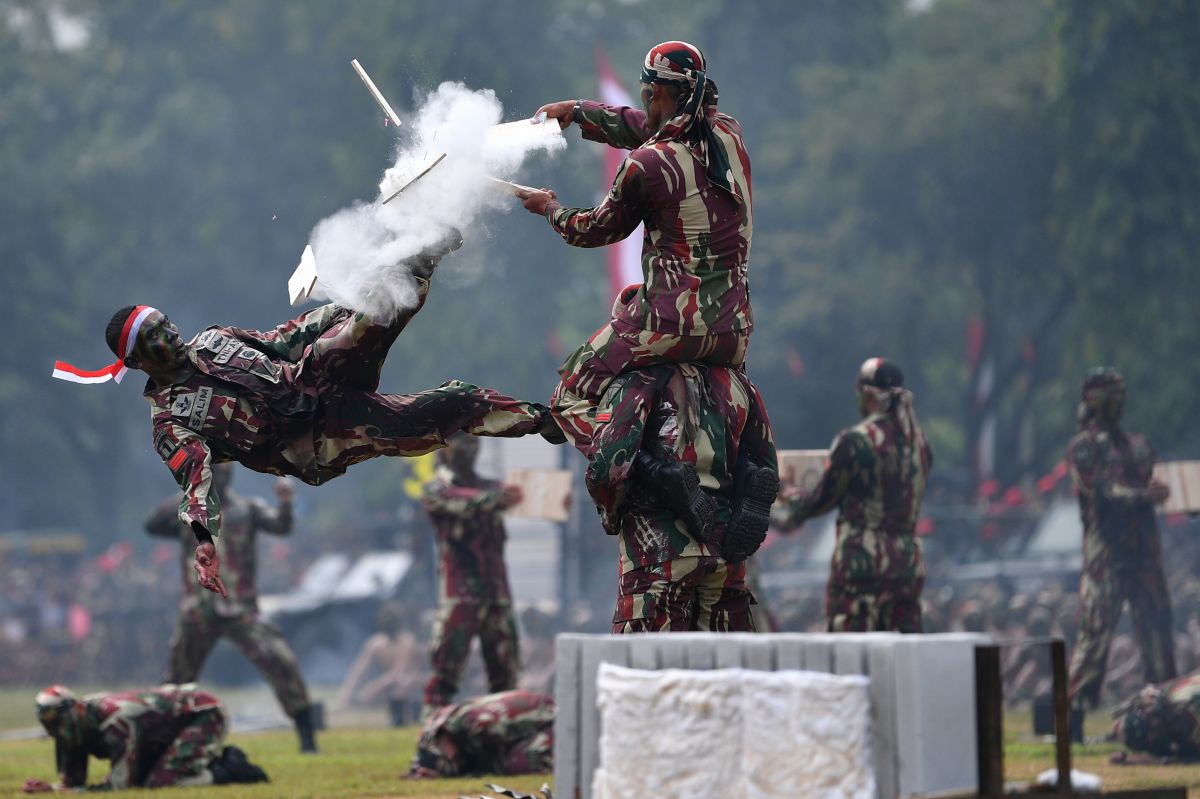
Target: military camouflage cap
(1101, 379)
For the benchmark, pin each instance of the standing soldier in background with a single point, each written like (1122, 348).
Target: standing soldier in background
(1122, 553)
(205, 617)
(473, 594)
(876, 477)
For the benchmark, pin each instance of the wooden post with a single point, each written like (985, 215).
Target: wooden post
(1062, 716)
(989, 720)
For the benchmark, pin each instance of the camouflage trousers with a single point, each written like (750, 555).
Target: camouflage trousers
(864, 606)
(620, 347)
(1103, 591)
(197, 632)
(200, 738)
(456, 624)
(356, 423)
(694, 593)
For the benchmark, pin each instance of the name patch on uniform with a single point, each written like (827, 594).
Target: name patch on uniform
(228, 351)
(200, 409)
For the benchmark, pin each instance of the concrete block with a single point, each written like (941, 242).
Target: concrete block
(567, 692)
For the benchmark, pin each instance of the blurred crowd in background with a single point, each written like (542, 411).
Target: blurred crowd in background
(79, 617)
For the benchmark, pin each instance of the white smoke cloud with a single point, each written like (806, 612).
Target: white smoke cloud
(359, 249)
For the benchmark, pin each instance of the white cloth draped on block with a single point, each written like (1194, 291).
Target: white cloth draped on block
(732, 733)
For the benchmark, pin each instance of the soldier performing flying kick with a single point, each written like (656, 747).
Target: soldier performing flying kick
(299, 400)
(688, 181)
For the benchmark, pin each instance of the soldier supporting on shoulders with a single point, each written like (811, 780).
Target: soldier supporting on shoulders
(204, 617)
(1122, 552)
(687, 180)
(300, 400)
(503, 733)
(473, 594)
(159, 737)
(660, 418)
(876, 477)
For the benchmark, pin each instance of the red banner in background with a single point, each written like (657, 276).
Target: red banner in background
(625, 257)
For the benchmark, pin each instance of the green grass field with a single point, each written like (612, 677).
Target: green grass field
(365, 761)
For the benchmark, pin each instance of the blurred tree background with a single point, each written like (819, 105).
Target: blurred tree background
(994, 195)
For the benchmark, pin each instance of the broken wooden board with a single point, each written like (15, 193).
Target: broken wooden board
(411, 177)
(544, 493)
(304, 277)
(1183, 478)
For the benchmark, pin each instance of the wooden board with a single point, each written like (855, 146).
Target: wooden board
(304, 277)
(1183, 478)
(802, 468)
(544, 491)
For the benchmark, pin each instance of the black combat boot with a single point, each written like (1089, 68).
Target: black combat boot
(678, 486)
(304, 729)
(754, 491)
(234, 767)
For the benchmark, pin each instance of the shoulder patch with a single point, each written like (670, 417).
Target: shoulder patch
(163, 445)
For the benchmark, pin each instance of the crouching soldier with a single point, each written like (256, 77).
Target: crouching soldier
(157, 737)
(511, 732)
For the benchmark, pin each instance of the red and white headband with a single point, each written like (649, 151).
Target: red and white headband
(117, 369)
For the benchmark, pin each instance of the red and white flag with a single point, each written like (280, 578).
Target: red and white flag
(624, 257)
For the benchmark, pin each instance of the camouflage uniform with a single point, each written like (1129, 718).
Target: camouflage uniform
(695, 302)
(154, 737)
(205, 617)
(876, 476)
(501, 733)
(1163, 719)
(301, 400)
(1122, 556)
(704, 416)
(473, 594)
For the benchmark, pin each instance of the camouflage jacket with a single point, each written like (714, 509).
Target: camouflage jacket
(470, 532)
(702, 415)
(243, 519)
(484, 730)
(253, 397)
(1111, 471)
(878, 482)
(696, 248)
(131, 729)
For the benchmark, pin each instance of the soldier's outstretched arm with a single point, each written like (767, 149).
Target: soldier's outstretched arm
(450, 500)
(277, 520)
(289, 339)
(613, 219)
(617, 126)
(190, 461)
(845, 459)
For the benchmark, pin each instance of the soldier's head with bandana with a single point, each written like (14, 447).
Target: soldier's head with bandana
(879, 383)
(1103, 397)
(61, 713)
(156, 347)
